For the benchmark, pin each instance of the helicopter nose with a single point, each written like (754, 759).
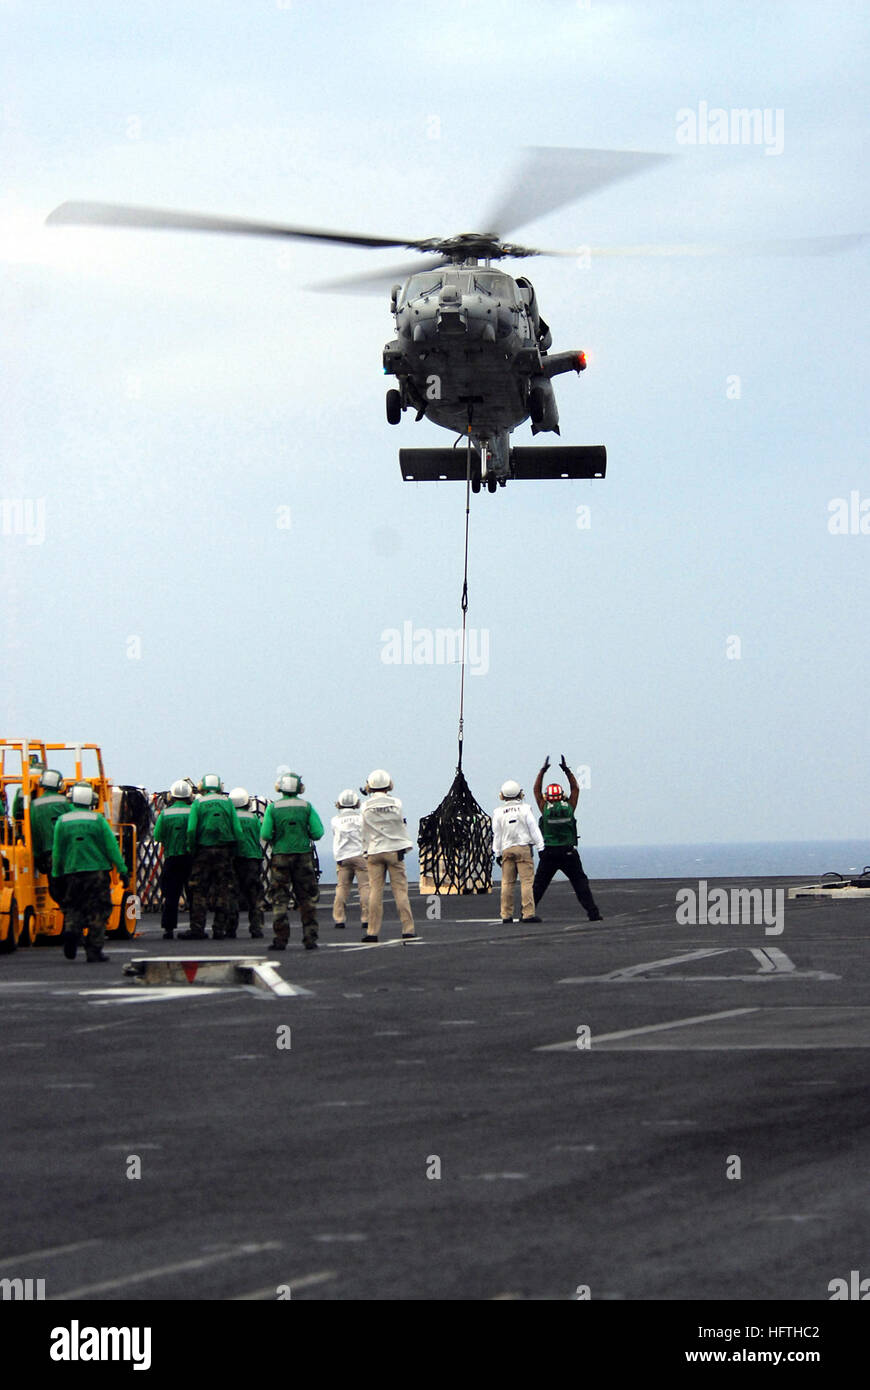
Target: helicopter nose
(451, 317)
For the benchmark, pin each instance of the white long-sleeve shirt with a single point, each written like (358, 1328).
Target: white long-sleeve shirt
(346, 835)
(383, 826)
(514, 824)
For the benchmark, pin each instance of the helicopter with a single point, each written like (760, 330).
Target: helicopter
(472, 351)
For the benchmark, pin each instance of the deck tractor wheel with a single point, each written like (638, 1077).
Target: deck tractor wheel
(126, 928)
(9, 920)
(394, 407)
(28, 930)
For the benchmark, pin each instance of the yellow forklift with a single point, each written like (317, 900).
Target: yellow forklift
(28, 912)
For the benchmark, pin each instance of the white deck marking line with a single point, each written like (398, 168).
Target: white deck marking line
(649, 1028)
(777, 958)
(161, 1271)
(43, 1254)
(155, 994)
(771, 960)
(306, 1281)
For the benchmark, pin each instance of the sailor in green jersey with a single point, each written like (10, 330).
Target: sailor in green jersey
(46, 804)
(249, 863)
(83, 853)
(170, 831)
(559, 829)
(45, 808)
(289, 826)
(36, 770)
(214, 838)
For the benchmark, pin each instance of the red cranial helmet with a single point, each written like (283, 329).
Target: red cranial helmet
(554, 792)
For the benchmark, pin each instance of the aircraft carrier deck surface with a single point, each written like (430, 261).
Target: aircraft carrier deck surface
(313, 1168)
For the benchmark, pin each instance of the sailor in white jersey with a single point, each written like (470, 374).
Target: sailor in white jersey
(385, 843)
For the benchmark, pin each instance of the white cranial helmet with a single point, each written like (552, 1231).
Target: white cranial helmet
(239, 797)
(347, 800)
(181, 790)
(83, 794)
(379, 781)
(511, 791)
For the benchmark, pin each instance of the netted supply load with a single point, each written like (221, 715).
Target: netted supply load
(455, 844)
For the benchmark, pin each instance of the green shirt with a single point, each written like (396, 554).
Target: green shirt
(251, 827)
(84, 842)
(170, 830)
(44, 811)
(558, 826)
(290, 824)
(212, 823)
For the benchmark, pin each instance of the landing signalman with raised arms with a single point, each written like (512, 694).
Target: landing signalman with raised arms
(83, 853)
(559, 829)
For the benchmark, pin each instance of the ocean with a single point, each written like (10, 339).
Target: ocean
(756, 859)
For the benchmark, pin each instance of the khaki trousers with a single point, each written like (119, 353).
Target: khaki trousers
(346, 870)
(517, 859)
(379, 865)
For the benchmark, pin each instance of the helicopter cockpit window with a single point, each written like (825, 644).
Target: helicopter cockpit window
(418, 285)
(497, 285)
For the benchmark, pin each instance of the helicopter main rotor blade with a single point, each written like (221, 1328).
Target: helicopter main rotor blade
(549, 177)
(378, 281)
(783, 246)
(162, 219)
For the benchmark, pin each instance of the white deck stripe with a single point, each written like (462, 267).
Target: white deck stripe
(43, 1254)
(143, 1275)
(649, 1028)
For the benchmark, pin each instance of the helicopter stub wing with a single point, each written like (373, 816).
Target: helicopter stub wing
(565, 461)
(451, 465)
(436, 465)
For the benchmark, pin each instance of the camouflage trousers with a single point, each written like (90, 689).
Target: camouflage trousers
(252, 897)
(212, 883)
(296, 871)
(87, 905)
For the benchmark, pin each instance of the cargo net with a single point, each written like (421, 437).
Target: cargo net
(455, 843)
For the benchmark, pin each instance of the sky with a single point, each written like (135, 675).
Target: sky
(205, 539)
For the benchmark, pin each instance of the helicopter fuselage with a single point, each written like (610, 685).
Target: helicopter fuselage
(471, 355)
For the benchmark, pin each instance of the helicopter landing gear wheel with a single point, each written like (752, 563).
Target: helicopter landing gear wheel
(476, 473)
(536, 405)
(394, 407)
(491, 482)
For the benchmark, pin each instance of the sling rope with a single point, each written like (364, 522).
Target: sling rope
(455, 840)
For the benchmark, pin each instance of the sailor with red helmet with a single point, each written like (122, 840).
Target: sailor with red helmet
(559, 829)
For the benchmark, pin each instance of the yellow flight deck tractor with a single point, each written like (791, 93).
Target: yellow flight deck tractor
(27, 909)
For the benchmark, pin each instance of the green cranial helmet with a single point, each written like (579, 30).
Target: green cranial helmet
(210, 782)
(290, 783)
(83, 795)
